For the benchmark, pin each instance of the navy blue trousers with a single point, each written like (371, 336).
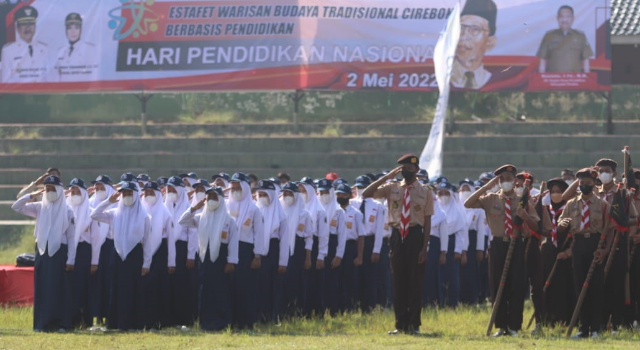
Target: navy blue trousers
(367, 278)
(127, 295)
(214, 292)
(157, 290)
(101, 281)
(470, 275)
(314, 301)
(295, 286)
(383, 272)
(270, 297)
(431, 284)
(450, 281)
(52, 304)
(349, 277)
(184, 290)
(81, 286)
(245, 289)
(332, 278)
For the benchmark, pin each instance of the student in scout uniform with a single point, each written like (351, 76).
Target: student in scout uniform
(102, 254)
(183, 245)
(314, 263)
(470, 273)
(300, 232)
(131, 227)
(453, 242)
(410, 208)
(586, 218)
(55, 255)
(26, 59)
(353, 251)
(560, 297)
(274, 263)
(218, 241)
(435, 256)
(158, 308)
(337, 242)
(251, 248)
(634, 253)
(501, 208)
(373, 222)
(86, 240)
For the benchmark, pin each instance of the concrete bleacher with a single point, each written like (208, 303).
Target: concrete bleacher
(311, 149)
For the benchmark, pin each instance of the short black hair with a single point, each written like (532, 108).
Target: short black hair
(565, 7)
(284, 176)
(54, 169)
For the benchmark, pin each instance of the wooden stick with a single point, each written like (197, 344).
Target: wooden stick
(503, 280)
(583, 290)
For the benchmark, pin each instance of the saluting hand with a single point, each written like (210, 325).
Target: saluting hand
(35, 193)
(114, 197)
(40, 180)
(91, 190)
(199, 205)
(393, 173)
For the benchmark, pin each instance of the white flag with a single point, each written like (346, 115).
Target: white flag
(443, 56)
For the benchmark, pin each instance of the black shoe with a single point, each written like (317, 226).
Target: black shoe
(394, 332)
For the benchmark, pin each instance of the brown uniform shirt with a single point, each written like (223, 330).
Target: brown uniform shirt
(421, 202)
(564, 53)
(494, 204)
(598, 215)
(608, 196)
(546, 220)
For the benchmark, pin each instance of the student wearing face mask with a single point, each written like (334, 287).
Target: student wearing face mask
(373, 222)
(131, 227)
(314, 263)
(102, 253)
(568, 176)
(435, 256)
(252, 247)
(55, 255)
(221, 180)
(501, 208)
(143, 179)
(300, 232)
(199, 189)
(158, 311)
(33, 186)
(182, 249)
(218, 255)
(453, 243)
(354, 249)
(86, 239)
(337, 242)
(162, 184)
(560, 297)
(188, 180)
(470, 273)
(274, 263)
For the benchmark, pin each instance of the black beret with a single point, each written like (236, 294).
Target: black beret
(408, 159)
(486, 9)
(505, 168)
(607, 162)
(587, 172)
(557, 181)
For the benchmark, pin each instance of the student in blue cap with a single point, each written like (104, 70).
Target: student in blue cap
(131, 227)
(218, 255)
(55, 255)
(353, 251)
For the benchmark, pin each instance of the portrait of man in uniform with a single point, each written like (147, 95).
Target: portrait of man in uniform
(477, 36)
(77, 59)
(564, 49)
(24, 60)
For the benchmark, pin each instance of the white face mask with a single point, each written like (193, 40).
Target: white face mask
(444, 199)
(359, 191)
(325, 199)
(172, 197)
(494, 189)
(506, 186)
(200, 196)
(288, 201)
(52, 196)
(606, 178)
(212, 204)
(464, 195)
(237, 195)
(546, 200)
(151, 200)
(304, 197)
(101, 195)
(519, 191)
(75, 200)
(128, 201)
(264, 201)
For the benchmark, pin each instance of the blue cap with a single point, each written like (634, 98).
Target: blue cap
(223, 176)
(265, 185)
(466, 181)
(52, 180)
(201, 182)
(151, 186)
(454, 188)
(325, 185)
(189, 175)
(128, 185)
(275, 180)
(478, 184)
(290, 186)
(128, 177)
(371, 176)
(343, 188)
(105, 179)
(362, 181)
(307, 180)
(486, 176)
(143, 177)
(162, 181)
(440, 179)
(339, 181)
(216, 189)
(444, 186)
(316, 182)
(423, 181)
(238, 177)
(175, 181)
(423, 172)
(77, 182)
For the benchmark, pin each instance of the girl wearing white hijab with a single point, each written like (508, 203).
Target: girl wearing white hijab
(131, 228)
(102, 253)
(86, 239)
(274, 263)
(314, 264)
(453, 241)
(55, 253)
(337, 242)
(156, 283)
(218, 253)
(300, 231)
(183, 246)
(251, 248)
(431, 284)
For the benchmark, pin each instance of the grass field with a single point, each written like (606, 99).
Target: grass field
(463, 328)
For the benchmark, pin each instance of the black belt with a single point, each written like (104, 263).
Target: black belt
(351, 241)
(275, 239)
(586, 235)
(300, 238)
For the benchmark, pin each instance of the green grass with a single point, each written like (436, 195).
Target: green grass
(463, 328)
